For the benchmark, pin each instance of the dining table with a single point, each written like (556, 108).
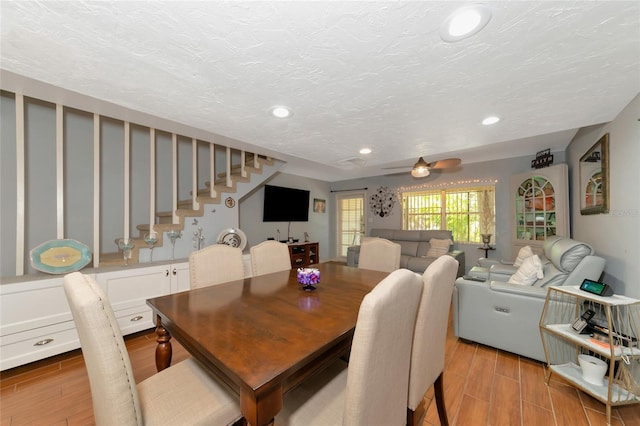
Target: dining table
(263, 335)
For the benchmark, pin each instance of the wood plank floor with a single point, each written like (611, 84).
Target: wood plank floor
(483, 386)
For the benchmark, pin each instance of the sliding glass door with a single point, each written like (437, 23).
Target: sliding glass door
(351, 220)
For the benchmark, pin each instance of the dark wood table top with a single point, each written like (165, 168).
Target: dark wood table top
(264, 334)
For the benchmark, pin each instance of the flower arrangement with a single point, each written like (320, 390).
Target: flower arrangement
(308, 277)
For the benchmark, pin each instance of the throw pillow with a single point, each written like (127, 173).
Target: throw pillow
(524, 253)
(438, 247)
(529, 272)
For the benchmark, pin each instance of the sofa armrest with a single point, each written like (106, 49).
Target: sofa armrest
(500, 272)
(522, 290)
(460, 257)
(486, 262)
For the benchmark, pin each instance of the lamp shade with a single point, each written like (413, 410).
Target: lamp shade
(420, 169)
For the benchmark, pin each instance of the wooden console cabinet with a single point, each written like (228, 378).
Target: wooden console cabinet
(304, 254)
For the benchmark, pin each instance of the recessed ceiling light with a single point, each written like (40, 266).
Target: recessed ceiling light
(490, 120)
(465, 22)
(365, 151)
(281, 112)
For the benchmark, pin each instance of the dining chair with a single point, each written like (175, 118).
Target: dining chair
(181, 394)
(373, 389)
(379, 254)
(269, 256)
(427, 353)
(215, 264)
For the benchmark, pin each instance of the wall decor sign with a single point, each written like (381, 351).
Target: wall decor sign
(544, 158)
(382, 202)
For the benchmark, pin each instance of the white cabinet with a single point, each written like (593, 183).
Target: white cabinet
(36, 323)
(539, 206)
(611, 336)
(128, 291)
(179, 274)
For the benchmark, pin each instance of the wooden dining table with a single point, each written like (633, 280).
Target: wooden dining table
(263, 335)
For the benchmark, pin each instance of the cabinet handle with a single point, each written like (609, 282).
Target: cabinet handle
(43, 342)
(175, 271)
(501, 309)
(166, 273)
(136, 318)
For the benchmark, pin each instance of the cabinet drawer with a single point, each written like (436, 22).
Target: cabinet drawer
(135, 319)
(32, 305)
(22, 348)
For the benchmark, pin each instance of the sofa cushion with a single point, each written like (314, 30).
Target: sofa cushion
(523, 253)
(409, 248)
(529, 272)
(438, 247)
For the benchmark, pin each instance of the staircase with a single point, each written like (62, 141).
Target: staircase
(225, 183)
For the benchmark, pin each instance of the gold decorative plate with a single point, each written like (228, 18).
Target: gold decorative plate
(60, 256)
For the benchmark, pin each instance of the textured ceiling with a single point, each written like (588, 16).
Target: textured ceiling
(355, 74)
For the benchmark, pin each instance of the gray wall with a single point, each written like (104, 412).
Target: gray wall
(318, 225)
(615, 235)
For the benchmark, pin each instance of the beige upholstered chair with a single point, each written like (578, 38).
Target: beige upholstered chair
(181, 394)
(216, 264)
(269, 256)
(427, 355)
(379, 254)
(373, 389)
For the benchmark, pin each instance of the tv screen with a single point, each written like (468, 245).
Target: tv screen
(285, 204)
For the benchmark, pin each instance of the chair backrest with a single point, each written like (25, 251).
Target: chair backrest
(427, 354)
(378, 373)
(113, 388)
(269, 256)
(215, 264)
(379, 254)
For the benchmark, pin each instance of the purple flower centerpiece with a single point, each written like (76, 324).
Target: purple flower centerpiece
(308, 278)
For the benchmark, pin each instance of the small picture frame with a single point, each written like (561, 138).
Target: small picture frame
(319, 205)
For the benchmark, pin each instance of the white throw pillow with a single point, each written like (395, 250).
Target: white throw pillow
(438, 247)
(524, 253)
(529, 272)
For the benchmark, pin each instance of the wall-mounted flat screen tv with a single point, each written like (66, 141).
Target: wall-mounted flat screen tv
(285, 204)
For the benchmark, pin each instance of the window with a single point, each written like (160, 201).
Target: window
(466, 212)
(350, 221)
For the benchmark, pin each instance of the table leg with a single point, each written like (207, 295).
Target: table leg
(260, 410)
(163, 350)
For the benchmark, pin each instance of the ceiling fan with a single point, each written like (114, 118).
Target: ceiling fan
(423, 169)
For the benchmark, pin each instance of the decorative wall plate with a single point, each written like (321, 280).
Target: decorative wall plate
(60, 256)
(229, 202)
(233, 237)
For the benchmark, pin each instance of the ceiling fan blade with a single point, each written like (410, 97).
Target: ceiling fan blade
(448, 163)
(399, 167)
